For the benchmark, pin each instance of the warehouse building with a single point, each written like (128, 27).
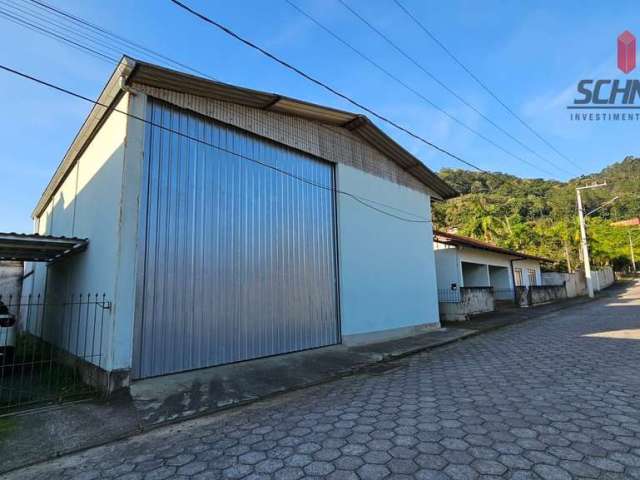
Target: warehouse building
(233, 224)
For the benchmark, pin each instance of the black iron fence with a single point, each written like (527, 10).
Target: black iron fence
(50, 349)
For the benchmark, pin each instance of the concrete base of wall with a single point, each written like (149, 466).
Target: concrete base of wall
(384, 335)
(538, 295)
(106, 382)
(473, 301)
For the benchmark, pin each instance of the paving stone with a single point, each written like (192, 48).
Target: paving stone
(431, 462)
(298, 460)
(161, 473)
(515, 462)
(539, 401)
(319, 468)
(192, 468)
(376, 457)
(348, 462)
(180, 460)
(269, 465)
(488, 467)
(461, 472)
(605, 464)
(551, 472)
(373, 472)
(627, 459)
(580, 469)
(237, 471)
(398, 465)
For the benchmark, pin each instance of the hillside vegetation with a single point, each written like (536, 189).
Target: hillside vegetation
(540, 216)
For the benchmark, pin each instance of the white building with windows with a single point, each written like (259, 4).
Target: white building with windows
(467, 262)
(473, 275)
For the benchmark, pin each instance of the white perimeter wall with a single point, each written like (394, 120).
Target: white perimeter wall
(99, 200)
(387, 266)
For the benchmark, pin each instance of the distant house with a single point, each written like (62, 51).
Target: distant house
(208, 254)
(470, 270)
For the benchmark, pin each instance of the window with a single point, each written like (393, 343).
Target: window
(531, 273)
(517, 273)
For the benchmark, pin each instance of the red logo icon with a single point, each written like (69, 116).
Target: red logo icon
(626, 51)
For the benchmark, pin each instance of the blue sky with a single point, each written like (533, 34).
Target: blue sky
(531, 53)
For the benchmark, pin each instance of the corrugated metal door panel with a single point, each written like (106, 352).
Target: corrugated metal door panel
(239, 259)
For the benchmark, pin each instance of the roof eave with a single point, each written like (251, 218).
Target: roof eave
(460, 241)
(359, 124)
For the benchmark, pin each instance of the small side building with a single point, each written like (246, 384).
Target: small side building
(473, 276)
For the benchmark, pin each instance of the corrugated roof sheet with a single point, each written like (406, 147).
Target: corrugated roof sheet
(453, 239)
(38, 248)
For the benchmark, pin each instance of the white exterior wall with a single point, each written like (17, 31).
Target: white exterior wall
(447, 255)
(447, 267)
(483, 257)
(526, 264)
(387, 266)
(98, 200)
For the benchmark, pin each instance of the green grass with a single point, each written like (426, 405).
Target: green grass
(7, 426)
(38, 378)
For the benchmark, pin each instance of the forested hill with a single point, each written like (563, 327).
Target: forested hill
(540, 216)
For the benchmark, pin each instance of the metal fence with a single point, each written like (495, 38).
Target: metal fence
(51, 348)
(448, 295)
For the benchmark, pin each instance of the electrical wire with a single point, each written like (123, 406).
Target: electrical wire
(332, 90)
(37, 28)
(413, 90)
(362, 200)
(482, 84)
(465, 102)
(116, 38)
(49, 23)
(89, 50)
(71, 41)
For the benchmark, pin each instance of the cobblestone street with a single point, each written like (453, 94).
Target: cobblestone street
(553, 398)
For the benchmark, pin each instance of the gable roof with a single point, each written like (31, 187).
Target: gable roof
(458, 240)
(130, 70)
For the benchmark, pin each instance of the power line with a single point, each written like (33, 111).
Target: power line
(65, 38)
(324, 85)
(53, 24)
(442, 84)
(362, 200)
(411, 89)
(55, 36)
(115, 38)
(482, 84)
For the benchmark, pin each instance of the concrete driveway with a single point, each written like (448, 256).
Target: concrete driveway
(553, 398)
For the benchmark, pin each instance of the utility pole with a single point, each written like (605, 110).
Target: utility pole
(633, 259)
(583, 237)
